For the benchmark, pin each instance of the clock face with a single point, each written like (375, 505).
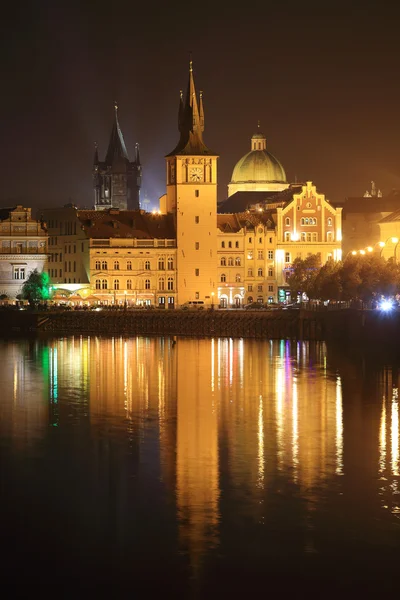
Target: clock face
(196, 174)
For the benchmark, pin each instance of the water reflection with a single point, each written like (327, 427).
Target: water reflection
(226, 426)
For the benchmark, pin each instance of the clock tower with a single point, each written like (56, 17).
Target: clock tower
(192, 198)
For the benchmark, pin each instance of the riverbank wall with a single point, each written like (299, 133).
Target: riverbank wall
(353, 325)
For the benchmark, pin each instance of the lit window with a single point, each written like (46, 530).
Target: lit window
(129, 284)
(98, 265)
(197, 272)
(129, 265)
(260, 255)
(260, 272)
(170, 263)
(19, 273)
(98, 284)
(270, 254)
(104, 284)
(223, 261)
(147, 265)
(238, 261)
(287, 257)
(237, 278)
(170, 283)
(161, 284)
(329, 222)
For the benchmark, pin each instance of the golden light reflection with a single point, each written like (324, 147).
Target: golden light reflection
(339, 427)
(394, 435)
(279, 389)
(382, 438)
(295, 431)
(260, 444)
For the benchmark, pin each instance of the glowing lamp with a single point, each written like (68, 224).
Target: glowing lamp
(395, 240)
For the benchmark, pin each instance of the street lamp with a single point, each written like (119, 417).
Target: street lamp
(383, 245)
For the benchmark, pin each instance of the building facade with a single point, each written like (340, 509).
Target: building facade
(195, 251)
(23, 243)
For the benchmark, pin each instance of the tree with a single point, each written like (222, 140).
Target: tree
(303, 275)
(328, 284)
(36, 287)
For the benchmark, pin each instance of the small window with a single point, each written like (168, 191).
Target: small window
(270, 288)
(129, 265)
(196, 193)
(147, 265)
(229, 244)
(197, 245)
(223, 261)
(170, 263)
(161, 284)
(223, 278)
(98, 284)
(222, 244)
(250, 240)
(116, 265)
(259, 288)
(236, 244)
(287, 236)
(104, 284)
(260, 240)
(238, 261)
(270, 272)
(260, 272)
(287, 257)
(287, 221)
(329, 222)
(270, 254)
(97, 265)
(250, 287)
(260, 255)
(116, 284)
(197, 220)
(249, 272)
(170, 283)
(147, 284)
(230, 261)
(237, 278)
(161, 264)
(129, 284)
(197, 272)
(197, 295)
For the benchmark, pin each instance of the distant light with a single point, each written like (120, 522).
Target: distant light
(386, 305)
(362, 251)
(382, 244)
(354, 252)
(370, 249)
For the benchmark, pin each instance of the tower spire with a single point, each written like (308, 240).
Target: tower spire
(116, 146)
(96, 154)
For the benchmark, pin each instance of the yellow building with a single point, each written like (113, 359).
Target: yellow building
(238, 252)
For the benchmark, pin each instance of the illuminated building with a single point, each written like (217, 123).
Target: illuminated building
(117, 180)
(240, 251)
(23, 248)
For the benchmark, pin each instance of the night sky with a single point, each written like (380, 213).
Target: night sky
(323, 79)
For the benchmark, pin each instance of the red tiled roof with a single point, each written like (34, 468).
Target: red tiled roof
(127, 223)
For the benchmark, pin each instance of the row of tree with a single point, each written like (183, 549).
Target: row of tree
(360, 277)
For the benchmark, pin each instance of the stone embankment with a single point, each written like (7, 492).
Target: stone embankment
(340, 325)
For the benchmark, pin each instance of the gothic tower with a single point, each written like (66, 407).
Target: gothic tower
(117, 181)
(192, 198)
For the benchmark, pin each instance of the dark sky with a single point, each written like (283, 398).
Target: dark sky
(323, 79)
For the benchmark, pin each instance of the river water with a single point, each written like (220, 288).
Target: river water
(198, 468)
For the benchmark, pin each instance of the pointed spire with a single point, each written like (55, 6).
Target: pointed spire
(137, 155)
(201, 112)
(116, 146)
(191, 121)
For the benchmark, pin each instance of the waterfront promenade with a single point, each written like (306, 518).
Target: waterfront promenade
(345, 324)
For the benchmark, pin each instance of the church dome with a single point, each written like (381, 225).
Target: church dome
(258, 170)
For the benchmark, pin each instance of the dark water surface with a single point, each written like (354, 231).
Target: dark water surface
(136, 467)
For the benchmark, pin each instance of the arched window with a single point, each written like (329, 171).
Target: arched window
(98, 284)
(287, 236)
(170, 283)
(306, 221)
(329, 222)
(250, 299)
(98, 265)
(329, 236)
(238, 261)
(116, 265)
(170, 263)
(147, 266)
(222, 244)
(260, 272)
(230, 261)
(147, 284)
(161, 284)
(104, 265)
(129, 265)
(116, 284)
(223, 278)
(237, 278)
(104, 284)
(223, 261)
(287, 221)
(161, 264)
(129, 284)
(250, 272)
